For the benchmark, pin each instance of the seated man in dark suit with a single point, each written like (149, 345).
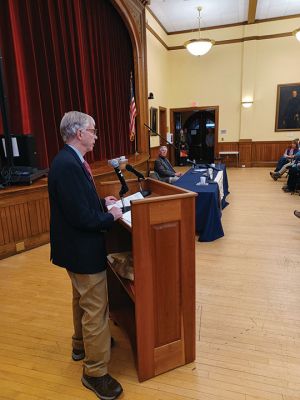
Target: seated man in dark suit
(163, 167)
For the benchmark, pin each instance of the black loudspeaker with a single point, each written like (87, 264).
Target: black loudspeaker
(24, 150)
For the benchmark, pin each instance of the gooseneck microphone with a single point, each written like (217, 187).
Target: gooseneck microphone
(115, 164)
(134, 171)
(124, 188)
(191, 162)
(140, 177)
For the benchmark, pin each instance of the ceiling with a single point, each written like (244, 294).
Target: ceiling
(180, 15)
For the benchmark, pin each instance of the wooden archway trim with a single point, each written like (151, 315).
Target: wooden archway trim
(133, 14)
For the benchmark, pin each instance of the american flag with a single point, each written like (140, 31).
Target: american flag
(132, 113)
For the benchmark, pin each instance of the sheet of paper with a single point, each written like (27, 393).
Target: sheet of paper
(127, 217)
(134, 196)
(219, 180)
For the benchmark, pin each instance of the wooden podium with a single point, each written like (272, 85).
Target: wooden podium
(158, 309)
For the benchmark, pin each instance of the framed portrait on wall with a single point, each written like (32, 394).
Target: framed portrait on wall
(153, 120)
(288, 107)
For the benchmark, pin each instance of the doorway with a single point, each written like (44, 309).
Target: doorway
(195, 130)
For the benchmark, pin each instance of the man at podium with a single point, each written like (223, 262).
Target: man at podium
(78, 221)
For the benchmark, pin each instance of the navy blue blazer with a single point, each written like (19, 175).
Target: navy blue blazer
(77, 218)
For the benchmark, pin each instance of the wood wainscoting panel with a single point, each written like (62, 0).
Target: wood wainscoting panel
(24, 219)
(267, 153)
(245, 152)
(255, 154)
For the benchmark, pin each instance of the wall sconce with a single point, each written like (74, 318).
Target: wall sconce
(296, 33)
(151, 96)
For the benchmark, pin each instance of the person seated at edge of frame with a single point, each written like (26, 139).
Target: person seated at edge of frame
(293, 179)
(285, 161)
(286, 167)
(79, 220)
(163, 167)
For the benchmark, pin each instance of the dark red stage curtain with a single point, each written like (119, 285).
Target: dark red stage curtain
(62, 55)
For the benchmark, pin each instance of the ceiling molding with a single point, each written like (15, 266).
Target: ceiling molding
(157, 36)
(252, 11)
(257, 21)
(157, 20)
(222, 42)
(241, 40)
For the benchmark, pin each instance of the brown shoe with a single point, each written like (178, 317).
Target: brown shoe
(274, 175)
(297, 213)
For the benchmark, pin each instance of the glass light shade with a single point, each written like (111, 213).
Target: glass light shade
(247, 104)
(297, 34)
(199, 47)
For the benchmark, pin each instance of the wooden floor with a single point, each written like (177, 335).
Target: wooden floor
(248, 313)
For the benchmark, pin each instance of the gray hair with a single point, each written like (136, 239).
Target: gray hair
(163, 148)
(72, 121)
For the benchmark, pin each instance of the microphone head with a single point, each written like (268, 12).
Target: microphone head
(114, 163)
(129, 167)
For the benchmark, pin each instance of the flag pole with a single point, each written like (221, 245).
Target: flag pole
(132, 116)
(135, 144)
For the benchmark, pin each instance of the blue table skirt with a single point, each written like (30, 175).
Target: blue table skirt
(208, 211)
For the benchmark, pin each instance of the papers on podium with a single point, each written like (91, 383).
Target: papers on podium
(126, 216)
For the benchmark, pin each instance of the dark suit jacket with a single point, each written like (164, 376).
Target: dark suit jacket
(77, 217)
(163, 168)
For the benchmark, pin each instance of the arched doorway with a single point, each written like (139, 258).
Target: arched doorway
(198, 129)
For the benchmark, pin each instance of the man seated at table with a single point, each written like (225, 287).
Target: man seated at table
(163, 167)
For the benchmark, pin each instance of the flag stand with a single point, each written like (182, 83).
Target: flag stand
(135, 146)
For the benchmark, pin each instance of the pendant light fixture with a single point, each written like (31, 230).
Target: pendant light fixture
(199, 47)
(296, 33)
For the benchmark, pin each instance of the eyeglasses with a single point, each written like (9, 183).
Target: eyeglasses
(93, 131)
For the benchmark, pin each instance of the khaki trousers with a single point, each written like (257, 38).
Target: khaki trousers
(90, 318)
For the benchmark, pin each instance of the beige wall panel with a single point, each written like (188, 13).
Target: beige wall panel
(158, 78)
